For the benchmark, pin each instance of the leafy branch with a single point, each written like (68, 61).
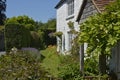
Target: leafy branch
(101, 31)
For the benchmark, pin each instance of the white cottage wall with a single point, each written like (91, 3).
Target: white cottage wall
(61, 15)
(62, 20)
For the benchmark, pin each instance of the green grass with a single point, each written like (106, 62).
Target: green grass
(51, 61)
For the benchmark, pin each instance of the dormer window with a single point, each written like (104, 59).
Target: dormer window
(70, 7)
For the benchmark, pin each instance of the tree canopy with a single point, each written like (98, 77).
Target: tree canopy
(2, 11)
(29, 23)
(49, 25)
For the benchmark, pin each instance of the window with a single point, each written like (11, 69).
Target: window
(70, 7)
(70, 40)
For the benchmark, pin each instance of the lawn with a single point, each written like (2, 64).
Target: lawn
(51, 61)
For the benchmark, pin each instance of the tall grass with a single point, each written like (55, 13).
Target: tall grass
(51, 61)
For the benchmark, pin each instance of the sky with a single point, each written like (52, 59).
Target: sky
(39, 10)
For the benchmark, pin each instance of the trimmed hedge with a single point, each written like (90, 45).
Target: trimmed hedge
(47, 38)
(16, 35)
(35, 40)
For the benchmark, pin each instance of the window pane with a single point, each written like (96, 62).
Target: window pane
(70, 7)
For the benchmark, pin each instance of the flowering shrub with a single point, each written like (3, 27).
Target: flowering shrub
(21, 66)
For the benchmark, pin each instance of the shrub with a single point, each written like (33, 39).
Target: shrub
(21, 66)
(2, 45)
(41, 37)
(35, 40)
(16, 35)
(69, 69)
(91, 66)
(47, 38)
(71, 25)
(58, 34)
(75, 47)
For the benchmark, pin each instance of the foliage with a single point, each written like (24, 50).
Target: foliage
(47, 38)
(41, 38)
(91, 65)
(1, 29)
(16, 35)
(65, 67)
(69, 69)
(47, 29)
(39, 31)
(2, 46)
(58, 34)
(29, 23)
(71, 25)
(102, 31)
(21, 66)
(75, 47)
(35, 40)
(39, 25)
(49, 25)
(73, 31)
(2, 11)
(51, 61)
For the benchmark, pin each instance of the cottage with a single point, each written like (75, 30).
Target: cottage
(67, 11)
(88, 8)
(77, 11)
(91, 7)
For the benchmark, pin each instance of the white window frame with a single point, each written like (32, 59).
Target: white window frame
(70, 40)
(70, 8)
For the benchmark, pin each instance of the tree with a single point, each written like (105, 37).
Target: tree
(2, 11)
(50, 24)
(39, 25)
(47, 29)
(29, 23)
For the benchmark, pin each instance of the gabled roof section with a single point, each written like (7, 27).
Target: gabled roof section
(60, 3)
(99, 4)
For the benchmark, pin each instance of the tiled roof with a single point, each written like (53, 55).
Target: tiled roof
(99, 4)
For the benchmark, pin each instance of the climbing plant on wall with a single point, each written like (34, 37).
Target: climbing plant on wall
(102, 31)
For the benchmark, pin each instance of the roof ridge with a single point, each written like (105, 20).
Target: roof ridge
(99, 5)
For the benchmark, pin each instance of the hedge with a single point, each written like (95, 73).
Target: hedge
(35, 40)
(21, 66)
(16, 35)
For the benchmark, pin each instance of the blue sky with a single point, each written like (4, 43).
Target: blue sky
(39, 10)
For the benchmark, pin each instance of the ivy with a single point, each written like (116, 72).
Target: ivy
(71, 24)
(58, 34)
(102, 31)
